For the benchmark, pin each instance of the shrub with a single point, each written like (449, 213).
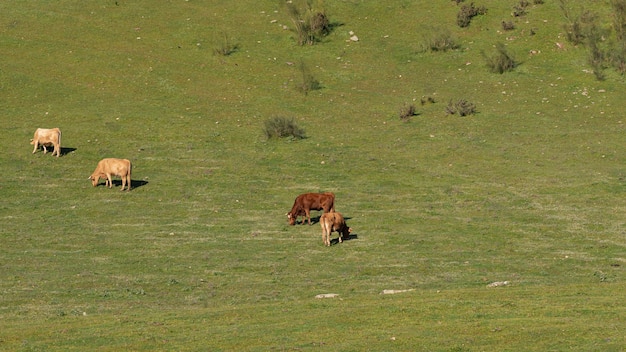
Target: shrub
(407, 112)
(577, 26)
(508, 26)
(467, 12)
(309, 82)
(502, 61)
(225, 47)
(519, 10)
(426, 100)
(281, 127)
(440, 40)
(310, 21)
(461, 107)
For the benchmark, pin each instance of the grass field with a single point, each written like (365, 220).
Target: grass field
(199, 255)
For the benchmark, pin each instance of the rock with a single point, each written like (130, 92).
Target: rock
(498, 283)
(393, 292)
(327, 295)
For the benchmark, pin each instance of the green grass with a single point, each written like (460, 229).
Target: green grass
(199, 256)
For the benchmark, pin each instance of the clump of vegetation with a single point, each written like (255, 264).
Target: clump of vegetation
(282, 127)
(519, 10)
(427, 100)
(577, 25)
(461, 107)
(467, 12)
(308, 82)
(439, 40)
(407, 111)
(508, 26)
(309, 19)
(502, 61)
(225, 47)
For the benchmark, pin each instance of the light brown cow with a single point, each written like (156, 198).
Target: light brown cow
(334, 221)
(47, 137)
(112, 167)
(306, 202)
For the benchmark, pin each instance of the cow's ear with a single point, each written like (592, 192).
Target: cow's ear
(349, 229)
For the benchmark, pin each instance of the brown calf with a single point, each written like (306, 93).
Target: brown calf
(333, 222)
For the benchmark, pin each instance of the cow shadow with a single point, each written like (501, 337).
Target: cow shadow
(352, 236)
(65, 150)
(133, 183)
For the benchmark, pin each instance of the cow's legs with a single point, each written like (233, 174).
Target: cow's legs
(308, 216)
(109, 181)
(36, 146)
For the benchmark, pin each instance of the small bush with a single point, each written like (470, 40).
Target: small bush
(427, 100)
(519, 10)
(461, 107)
(308, 82)
(467, 12)
(225, 47)
(282, 127)
(440, 40)
(502, 61)
(407, 112)
(508, 26)
(310, 21)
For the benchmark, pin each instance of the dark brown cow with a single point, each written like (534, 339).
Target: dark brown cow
(306, 202)
(333, 222)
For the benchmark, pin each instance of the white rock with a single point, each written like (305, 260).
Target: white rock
(393, 292)
(327, 295)
(498, 283)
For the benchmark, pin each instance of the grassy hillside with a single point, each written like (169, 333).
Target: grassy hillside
(199, 255)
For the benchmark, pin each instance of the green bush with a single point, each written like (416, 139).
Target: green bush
(282, 127)
(502, 61)
(407, 111)
(439, 40)
(310, 21)
(308, 82)
(461, 107)
(467, 12)
(225, 47)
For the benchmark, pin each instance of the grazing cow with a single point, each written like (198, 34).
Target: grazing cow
(333, 222)
(112, 167)
(47, 137)
(306, 202)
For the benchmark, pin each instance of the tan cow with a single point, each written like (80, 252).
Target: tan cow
(47, 137)
(112, 167)
(333, 221)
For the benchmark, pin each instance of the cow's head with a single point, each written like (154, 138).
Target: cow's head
(95, 178)
(292, 218)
